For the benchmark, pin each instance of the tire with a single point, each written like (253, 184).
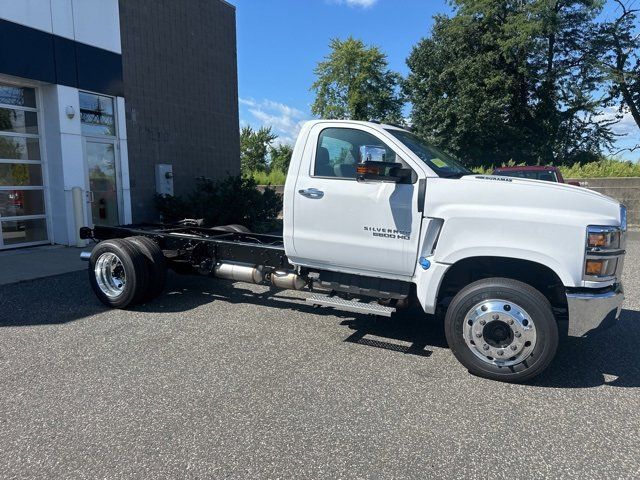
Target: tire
(518, 321)
(113, 261)
(234, 228)
(156, 266)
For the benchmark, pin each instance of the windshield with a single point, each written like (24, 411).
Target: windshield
(441, 163)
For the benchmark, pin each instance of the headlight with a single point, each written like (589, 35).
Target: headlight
(603, 238)
(603, 251)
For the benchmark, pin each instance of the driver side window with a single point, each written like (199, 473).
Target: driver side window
(339, 149)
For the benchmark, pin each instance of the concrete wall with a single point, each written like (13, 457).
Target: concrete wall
(181, 90)
(625, 190)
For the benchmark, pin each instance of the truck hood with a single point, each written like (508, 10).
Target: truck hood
(542, 222)
(535, 200)
(515, 199)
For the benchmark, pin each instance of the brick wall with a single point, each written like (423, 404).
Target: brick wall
(181, 92)
(625, 190)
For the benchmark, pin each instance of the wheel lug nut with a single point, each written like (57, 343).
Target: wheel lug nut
(500, 352)
(518, 334)
(486, 347)
(511, 322)
(514, 348)
(482, 322)
(496, 316)
(479, 335)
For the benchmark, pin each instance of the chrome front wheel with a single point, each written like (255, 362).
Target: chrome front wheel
(501, 328)
(499, 332)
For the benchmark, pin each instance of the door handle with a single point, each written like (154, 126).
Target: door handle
(90, 197)
(311, 193)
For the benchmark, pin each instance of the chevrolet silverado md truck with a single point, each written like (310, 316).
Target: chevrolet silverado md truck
(375, 219)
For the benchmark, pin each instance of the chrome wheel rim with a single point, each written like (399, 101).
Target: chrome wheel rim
(499, 332)
(110, 275)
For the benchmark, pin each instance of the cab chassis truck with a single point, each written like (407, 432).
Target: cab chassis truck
(375, 219)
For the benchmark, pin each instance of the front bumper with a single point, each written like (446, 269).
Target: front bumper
(591, 310)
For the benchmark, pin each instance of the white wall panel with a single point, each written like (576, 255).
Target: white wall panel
(69, 97)
(62, 18)
(97, 23)
(32, 13)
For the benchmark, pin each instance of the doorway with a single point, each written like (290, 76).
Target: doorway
(100, 146)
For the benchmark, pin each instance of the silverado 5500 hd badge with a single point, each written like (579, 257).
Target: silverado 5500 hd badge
(388, 233)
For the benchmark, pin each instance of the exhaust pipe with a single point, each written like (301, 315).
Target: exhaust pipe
(287, 280)
(242, 272)
(239, 272)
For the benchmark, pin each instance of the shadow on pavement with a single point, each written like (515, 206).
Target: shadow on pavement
(607, 358)
(610, 357)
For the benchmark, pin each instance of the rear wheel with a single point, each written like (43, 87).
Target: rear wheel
(156, 266)
(118, 273)
(502, 329)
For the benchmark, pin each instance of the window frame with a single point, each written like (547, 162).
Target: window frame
(399, 158)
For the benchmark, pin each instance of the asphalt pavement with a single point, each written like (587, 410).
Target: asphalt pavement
(212, 381)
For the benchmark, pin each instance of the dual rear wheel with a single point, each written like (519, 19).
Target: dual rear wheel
(127, 272)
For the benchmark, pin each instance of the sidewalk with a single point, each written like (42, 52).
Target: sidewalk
(39, 262)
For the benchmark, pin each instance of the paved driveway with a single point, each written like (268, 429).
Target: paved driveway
(211, 381)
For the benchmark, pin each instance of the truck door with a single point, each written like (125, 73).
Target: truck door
(370, 227)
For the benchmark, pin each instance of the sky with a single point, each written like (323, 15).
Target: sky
(281, 41)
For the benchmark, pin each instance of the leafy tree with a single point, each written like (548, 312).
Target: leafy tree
(254, 146)
(354, 82)
(281, 157)
(620, 59)
(511, 79)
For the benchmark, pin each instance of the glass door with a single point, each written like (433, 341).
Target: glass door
(103, 183)
(23, 218)
(97, 116)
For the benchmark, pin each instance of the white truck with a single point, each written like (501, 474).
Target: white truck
(375, 219)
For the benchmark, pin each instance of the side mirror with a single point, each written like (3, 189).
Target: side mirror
(371, 153)
(374, 166)
(382, 172)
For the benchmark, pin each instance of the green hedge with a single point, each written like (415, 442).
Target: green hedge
(273, 177)
(234, 200)
(599, 169)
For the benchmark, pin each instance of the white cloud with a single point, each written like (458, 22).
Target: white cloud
(356, 3)
(626, 128)
(285, 121)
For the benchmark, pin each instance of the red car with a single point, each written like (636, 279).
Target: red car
(537, 172)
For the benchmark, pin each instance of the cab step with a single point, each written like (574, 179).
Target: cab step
(355, 306)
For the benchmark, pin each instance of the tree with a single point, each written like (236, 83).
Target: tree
(254, 146)
(281, 157)
(511, 80)
(354, 82)
(620, 59)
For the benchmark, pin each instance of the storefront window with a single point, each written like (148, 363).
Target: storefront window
(22, 200)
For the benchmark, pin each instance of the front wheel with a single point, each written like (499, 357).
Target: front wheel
(502, 329)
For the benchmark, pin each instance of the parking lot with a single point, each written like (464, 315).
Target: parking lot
(222, 382)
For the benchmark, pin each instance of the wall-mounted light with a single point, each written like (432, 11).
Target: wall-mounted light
(71, 112)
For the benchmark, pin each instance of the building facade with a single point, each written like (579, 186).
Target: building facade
(103, 103)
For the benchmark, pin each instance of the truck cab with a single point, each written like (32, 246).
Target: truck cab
(376, 219)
